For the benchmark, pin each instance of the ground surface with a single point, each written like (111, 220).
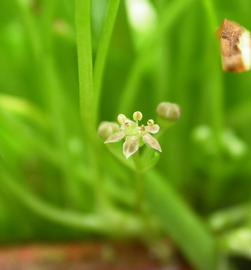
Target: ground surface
(87, 256)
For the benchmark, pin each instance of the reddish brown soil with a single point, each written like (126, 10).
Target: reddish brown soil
(84, 256)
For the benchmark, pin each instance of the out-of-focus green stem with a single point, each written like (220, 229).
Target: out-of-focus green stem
(180, 223)
(50, 83)
(217, 89)
(212, 17)
(217, 105)
(86, 90)
(139, 183)
(99, 68)
(170, 14)
(23, 107)
(111, 223)
(230, 218)
(164, 64)
(32, 33)
(64, 217)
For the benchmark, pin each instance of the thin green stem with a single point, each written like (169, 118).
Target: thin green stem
(105, 39)
(139, 183)
(212, 17)
(85, 68)
(56, 104)
(89, 223)
(51, 86)
(86, 90)
(30, 27)
(180, 223)
(164, 65)
(217, 106)
(217, 95)
(112, 222)
(55, 96)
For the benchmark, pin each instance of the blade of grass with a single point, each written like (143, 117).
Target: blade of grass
(41, 147)
(85, 68)
(112, 223)
(30, 27)
(180, 223)
(217, 94)
(89, 223)
(24, 108)
(86, 90)
(163, 76)
(170, 15)
(49, 82)
(178, 160)
(105, 39)
(217, 105)
(226, 219)
(217, 91)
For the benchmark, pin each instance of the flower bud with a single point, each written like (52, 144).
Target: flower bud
(106, 129)
(168, 111)
(137, 116)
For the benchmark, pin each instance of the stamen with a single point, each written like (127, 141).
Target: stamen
(150, 122)
(137, 116)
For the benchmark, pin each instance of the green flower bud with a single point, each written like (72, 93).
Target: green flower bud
(168, 111)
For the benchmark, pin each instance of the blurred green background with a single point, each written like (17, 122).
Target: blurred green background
(57, 185)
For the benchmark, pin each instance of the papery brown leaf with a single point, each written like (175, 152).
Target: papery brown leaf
(235, 44)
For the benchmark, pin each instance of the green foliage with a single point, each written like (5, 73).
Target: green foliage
(67, 66)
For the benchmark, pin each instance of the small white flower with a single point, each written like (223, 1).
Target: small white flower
(135, 135)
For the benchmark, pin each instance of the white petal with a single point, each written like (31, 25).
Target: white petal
(130, 146)
(106, 129)
(121, 119)
(152, 142)
(116, 137)
(152, 128)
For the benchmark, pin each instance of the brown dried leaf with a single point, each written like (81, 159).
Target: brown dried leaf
(235, 44)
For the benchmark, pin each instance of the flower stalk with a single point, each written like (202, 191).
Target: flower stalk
(102, 51)
(139, 174)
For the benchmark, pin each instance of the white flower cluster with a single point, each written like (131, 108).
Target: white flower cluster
(132, 132)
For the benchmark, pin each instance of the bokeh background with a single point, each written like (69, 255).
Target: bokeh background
(51, 186)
